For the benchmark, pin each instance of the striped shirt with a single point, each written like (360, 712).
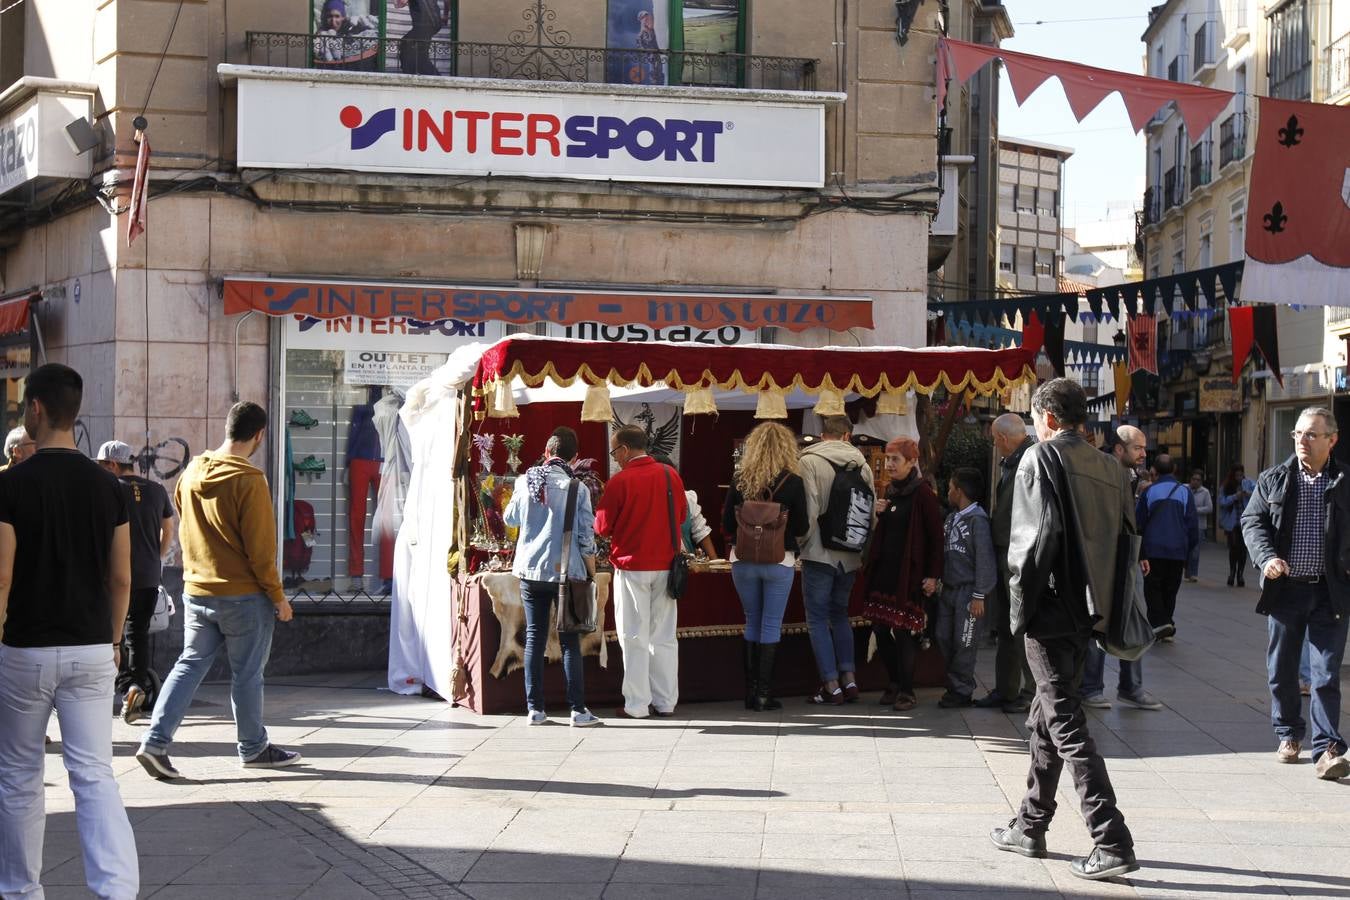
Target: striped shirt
(1307, 552)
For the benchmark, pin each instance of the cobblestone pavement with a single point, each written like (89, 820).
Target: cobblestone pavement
(404, 797)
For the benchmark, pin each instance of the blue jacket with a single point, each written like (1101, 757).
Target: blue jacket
(1232, 505)
(541, 527)
(1166, 517)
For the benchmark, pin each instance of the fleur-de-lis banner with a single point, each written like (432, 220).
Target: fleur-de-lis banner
(1298, 209)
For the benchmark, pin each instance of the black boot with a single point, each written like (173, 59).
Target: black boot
(764, 700)
(751, 672)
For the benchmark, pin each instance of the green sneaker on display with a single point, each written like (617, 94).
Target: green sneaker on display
(301, 419)
(311, 465)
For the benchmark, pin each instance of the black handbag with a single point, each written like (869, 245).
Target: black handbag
(576, 607)
(677, 579)
(1128, 632)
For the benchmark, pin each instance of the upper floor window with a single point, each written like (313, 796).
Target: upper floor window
(693, 42)
(408, 36)
(1289, 55)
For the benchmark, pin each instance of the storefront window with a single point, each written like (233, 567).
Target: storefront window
(15, 361)
(345, 460)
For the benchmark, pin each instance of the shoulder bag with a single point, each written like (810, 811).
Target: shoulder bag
(677, 579)
(576, 604)
(1128, 633)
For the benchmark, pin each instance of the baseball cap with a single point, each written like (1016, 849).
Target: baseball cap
(115, 451)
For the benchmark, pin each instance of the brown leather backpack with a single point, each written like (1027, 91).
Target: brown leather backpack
(760, 528)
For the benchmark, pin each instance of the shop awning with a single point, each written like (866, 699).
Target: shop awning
(757, 367)
(328, 299)
(14, 314)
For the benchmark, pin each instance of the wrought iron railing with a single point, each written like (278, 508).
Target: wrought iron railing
(530, 61)
(1232, 138)
(1204, 47)
(1337, 314)
(1174, 186)
(1153, 207)
(1200, 157)
(1336, 67)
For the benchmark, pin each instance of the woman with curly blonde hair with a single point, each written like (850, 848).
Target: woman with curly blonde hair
(768, 472)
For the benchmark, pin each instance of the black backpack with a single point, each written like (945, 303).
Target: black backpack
(846, 521)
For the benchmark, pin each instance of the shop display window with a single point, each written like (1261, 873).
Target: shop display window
(345, 469)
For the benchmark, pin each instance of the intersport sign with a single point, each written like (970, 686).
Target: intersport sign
(454, 129)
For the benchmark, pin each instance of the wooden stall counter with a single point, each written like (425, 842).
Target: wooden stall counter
(490, 644)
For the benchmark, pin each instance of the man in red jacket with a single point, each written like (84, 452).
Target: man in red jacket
(635, 514)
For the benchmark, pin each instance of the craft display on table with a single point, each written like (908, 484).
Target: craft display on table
(513, 443)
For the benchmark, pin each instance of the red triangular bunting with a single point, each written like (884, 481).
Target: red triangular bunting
(1200, 111)
(1085, 92)
(1140, 106)
(1025, 79)
(967, 59)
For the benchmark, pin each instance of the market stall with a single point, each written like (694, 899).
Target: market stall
(485, 415)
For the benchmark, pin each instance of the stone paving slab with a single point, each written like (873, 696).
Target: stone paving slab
(410, 798)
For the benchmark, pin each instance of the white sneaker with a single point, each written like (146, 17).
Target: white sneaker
(1141, 700)
(584, 719)
(536, 717)
(1097, 701)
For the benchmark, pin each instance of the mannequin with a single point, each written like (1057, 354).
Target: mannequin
(363, 476)
(395, 473)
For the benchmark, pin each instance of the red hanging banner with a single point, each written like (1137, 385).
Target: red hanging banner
(1240, 335)
(1143, 331)
(1298, 208)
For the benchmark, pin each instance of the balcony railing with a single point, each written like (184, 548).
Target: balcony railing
(1200, 157)
(1204, 46)
(1336, 67)
(1174, 186)
(530, 62)
(1153, 207)
(1232, 138)
(1338, 314)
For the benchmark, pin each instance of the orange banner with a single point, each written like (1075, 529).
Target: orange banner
(526, 306)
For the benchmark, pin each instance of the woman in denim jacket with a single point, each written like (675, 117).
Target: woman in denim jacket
(538, 507)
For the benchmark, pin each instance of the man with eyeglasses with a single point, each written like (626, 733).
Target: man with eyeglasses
(1297, 527)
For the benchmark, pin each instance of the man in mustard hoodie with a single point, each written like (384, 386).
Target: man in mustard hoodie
(232, 594)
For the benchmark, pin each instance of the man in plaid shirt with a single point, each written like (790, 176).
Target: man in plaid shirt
(1297, 526)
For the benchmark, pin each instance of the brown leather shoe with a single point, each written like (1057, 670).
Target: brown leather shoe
(890, 695)
(1332, 766)
(1289, 751)
(905, 702)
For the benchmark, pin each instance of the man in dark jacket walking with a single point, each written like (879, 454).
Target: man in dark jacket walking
(1297, 528)
(1171, 529)
(1014, 685)
(1070, 504)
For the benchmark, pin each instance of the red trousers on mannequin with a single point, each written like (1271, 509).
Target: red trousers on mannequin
(363, 477)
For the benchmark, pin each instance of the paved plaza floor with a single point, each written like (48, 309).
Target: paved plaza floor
(406, 797)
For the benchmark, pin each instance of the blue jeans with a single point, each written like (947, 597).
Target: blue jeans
(1305, 663)
(763, 588)
(78, 683)
(825, 592)
(243, 626)
(539, 597)
(1193, 561)
(1131, 680)
(1303, 614)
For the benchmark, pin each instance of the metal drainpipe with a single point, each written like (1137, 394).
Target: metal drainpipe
(234, 371)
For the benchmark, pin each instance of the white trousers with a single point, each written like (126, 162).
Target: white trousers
(78, 683)
(644, 615)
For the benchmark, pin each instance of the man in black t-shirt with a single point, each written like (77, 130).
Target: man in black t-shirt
(65, 576)
(151, 515)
